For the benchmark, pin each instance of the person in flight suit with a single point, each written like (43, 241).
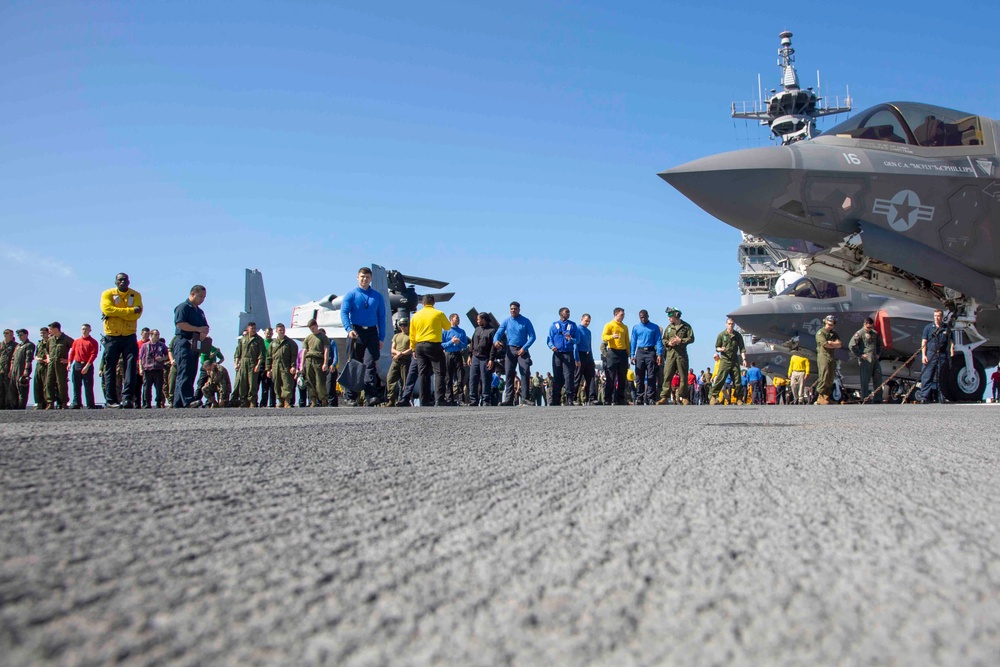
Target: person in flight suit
(250, 358)
(732, 351)
(57, 368)
(20, 370)
(281, 357)
(827, 340)
(866, 345)
(936, 349)
(676, 337)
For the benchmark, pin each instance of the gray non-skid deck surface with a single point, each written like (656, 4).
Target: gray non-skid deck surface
(615, 536)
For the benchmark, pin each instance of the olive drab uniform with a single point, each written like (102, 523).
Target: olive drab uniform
(399, 367)
(826, 365)
(281, 356)
(729, 360)
(41, 372)
(217, 387)
(867, 347)
(213, 354)
(675, 358)
(8, 386)
(57, 373)
(171, 377)
(314, 347)
(249, 353)
(21, 371)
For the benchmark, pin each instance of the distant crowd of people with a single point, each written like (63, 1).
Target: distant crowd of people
(433, 362)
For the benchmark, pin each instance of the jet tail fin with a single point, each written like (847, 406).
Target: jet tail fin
(255, 302)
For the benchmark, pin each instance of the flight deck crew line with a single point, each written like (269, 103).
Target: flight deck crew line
(660, 357)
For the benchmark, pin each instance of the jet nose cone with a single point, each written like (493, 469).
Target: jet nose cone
(738, 188)
(756, 319)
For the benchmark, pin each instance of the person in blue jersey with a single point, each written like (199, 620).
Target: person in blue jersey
(563, 340)
(455, 342)
(362, 312)
(647, 354)
(520, 336)
(586, 370)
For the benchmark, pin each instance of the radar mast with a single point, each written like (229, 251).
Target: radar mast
(790, 113)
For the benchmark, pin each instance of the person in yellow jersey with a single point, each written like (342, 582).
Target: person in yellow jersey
(121, 308)
(798, 371)
(616, 365)
(427, 327)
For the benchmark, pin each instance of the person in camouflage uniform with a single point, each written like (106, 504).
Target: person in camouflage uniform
(57, 371)
(171, 376)
(20, 371)
(215, 354)
(732, 352)
(866, 345)
(250, 358)
(401, 357)
(676, 337)
(827, 340)
(281, 357)
(41, 369)
(217, 387)
(8, 388)
(316, 362)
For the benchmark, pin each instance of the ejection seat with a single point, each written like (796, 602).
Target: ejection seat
(935, 132)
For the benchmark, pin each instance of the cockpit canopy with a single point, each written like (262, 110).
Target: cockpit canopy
(814, 288)
(913, 123)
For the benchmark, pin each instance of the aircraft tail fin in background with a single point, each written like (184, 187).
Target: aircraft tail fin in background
(255, 302)
(380, 283)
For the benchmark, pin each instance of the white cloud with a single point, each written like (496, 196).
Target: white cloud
(24, 257)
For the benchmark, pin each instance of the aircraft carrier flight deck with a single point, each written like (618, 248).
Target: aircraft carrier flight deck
(620, 536)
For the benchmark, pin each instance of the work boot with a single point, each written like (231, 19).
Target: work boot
(684, 401)
(822, 400)
(663, 401)
(713, 401)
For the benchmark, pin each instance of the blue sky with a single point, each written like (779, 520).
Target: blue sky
(511, 148)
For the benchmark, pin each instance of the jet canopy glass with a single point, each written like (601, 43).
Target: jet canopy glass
(814, 288)
(912, 123)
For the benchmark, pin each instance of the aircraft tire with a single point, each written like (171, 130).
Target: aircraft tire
(960, 387)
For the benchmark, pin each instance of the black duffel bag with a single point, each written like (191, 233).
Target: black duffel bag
(352, 378)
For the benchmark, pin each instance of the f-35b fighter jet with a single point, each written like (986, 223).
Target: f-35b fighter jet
(902, 200)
